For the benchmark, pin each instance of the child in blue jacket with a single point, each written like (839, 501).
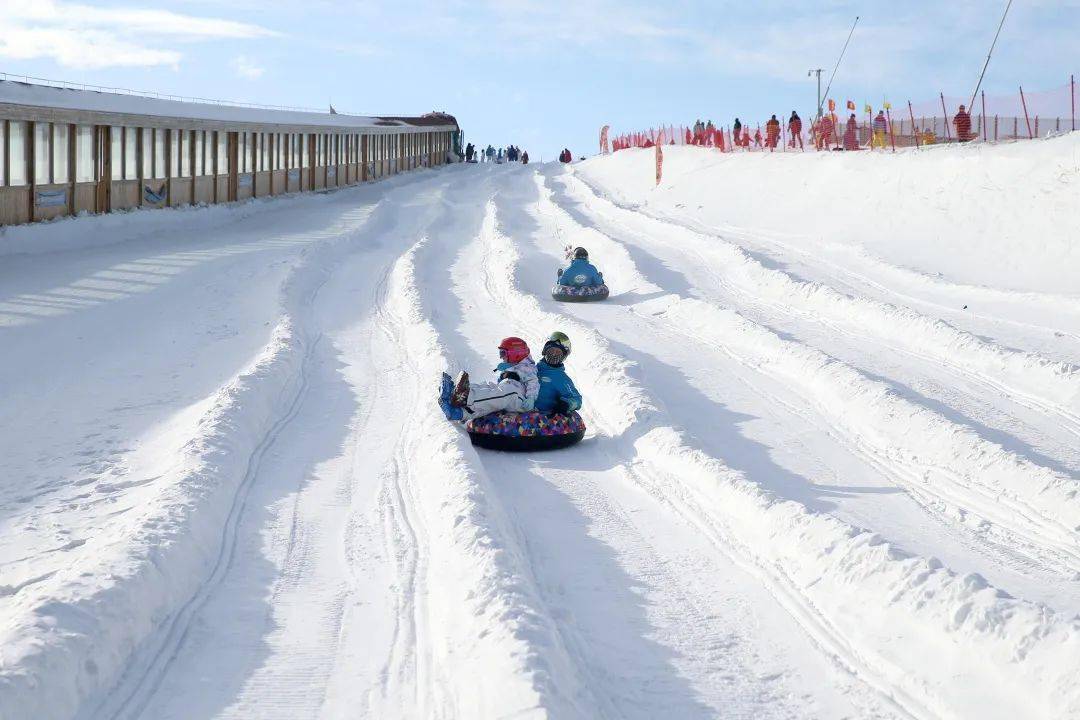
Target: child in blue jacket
(581, 273)
(557, 391)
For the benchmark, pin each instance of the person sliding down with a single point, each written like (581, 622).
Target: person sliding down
(515, 390)
(580, 272)
(557, 391)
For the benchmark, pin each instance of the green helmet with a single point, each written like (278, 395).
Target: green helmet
(560, 343)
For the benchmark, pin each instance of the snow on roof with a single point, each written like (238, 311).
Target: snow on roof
(64, 98)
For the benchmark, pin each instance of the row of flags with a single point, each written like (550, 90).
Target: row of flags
(867, 108)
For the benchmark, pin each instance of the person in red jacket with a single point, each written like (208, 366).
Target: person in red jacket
(826, 126)
(962, 121)
(772, 133)
(851, 133)
(794, 127)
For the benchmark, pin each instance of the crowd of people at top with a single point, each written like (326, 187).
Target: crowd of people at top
(826, 133)
(490, 154)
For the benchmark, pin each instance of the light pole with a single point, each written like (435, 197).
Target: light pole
(808, 74)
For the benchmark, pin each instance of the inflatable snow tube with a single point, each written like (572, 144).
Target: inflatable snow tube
(526, 432)
(583, 293)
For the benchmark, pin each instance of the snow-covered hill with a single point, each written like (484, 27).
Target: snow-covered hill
(815, 484)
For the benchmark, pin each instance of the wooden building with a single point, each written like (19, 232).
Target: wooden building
(65, 151)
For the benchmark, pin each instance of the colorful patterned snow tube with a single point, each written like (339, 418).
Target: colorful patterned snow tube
(526, 432)
(579, 293)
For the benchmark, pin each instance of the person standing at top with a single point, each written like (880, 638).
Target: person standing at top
(962, 121)
(851, 133)
(736, 131)
(710, 132)
(772, 133)
(794, 126)
(826, 127)
(880, 126)
(524, 157)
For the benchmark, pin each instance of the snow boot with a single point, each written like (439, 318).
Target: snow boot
(460, 394)
(446, 387)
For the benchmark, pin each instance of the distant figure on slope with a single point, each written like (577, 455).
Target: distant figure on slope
(469, 152)
(565, 156)
(851, 134)
(558, 393)
(880, 126)
(710, 131)
(794, 126)
(580, 272)
(515, 390)
(962, 121)
(757, 137)
(826, 127)
(772, 133)
(490, 152)
(736, 132)
(524, 157)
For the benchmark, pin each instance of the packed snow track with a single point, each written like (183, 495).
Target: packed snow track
(809, 489)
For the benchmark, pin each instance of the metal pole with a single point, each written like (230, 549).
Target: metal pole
(808, 74)
(992, 45)
(985, 129)
(1072, 88)
(914, 132)
(1027, 119)
(945, 114)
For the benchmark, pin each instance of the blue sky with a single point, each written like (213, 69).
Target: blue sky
(542, 74)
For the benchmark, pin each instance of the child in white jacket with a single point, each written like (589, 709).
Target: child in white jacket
(515, 390)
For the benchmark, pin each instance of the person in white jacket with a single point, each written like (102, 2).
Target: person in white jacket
(515, 390)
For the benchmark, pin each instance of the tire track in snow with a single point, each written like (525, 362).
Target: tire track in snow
(867, 589)
(498, 274)
(1027, 378)
(1037, 519)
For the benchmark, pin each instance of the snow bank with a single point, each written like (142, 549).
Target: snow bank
(935, 642)
(63, 653)
(68, 643)
(931, 210)
(1053, 385)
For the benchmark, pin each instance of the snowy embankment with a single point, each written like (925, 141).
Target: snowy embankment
(933, 641)
(997, 216)
(939, 458)
(74, 631)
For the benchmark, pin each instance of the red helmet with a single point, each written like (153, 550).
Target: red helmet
(513, 350)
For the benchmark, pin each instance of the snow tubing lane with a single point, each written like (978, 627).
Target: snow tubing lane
(526, 432)
(569, 293)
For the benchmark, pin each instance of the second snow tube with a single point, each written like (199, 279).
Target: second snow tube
(527, 431)
(579, 293)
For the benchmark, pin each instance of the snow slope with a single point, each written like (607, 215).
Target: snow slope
(812, 486)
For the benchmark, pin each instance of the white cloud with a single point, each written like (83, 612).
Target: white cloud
(245, 67)
(82, 36)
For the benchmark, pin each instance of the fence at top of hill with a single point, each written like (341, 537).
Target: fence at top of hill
(1024, 115)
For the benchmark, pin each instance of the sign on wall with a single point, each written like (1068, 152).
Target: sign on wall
(51, 198)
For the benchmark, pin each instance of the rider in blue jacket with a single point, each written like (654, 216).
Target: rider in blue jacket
(557, 391)
(581, 273)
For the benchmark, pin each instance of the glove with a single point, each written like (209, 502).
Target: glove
(561, 407)
(559, 274)
(509, 375)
